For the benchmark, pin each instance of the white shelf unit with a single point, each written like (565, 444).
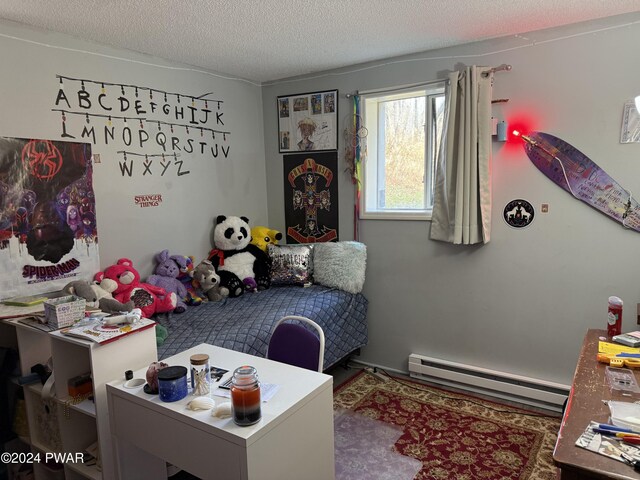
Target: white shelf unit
(84, 423)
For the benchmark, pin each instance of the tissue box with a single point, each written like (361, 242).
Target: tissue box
(64, 311)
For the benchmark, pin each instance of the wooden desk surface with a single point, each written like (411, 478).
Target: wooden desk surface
(588, 390)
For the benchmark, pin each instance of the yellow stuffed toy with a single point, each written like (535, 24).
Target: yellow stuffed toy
(263, 236)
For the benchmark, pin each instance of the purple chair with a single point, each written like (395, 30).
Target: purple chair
(296, 345)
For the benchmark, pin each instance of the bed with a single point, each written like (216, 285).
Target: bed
(245, 323)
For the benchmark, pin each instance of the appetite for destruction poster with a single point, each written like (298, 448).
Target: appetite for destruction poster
(311, 197)
(48, 228)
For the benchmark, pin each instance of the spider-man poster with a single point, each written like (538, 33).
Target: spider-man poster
(311, 197)
(48, 231)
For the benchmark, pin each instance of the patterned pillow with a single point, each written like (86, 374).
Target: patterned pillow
(291, 264)
(341, 265)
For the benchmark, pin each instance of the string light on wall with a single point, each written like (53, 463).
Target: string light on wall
(88, 116)
(117, 103)
(136, 88)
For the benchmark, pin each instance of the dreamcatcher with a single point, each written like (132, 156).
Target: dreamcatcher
(355, 135)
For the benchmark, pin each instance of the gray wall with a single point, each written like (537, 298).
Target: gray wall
(522, 303)
(182, 223)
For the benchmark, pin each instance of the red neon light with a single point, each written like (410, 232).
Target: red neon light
(520, 123)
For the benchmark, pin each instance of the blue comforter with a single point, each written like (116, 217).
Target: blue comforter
(245, 323)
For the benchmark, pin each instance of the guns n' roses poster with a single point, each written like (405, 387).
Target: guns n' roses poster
(48, 231)
(311, 197)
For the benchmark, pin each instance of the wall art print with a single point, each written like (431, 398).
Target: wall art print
(311, 197)
(308, 122)
(48, 227)
(518, 213)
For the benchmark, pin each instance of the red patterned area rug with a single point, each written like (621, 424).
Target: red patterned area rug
(454, 436)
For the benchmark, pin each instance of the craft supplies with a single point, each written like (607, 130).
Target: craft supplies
(622, 379)
(200, 374)
(245, 396)
(172, 383)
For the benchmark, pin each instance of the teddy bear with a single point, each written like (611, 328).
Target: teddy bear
(208, 281)
(97, 297)
(262, 237)
(166, 276)
(241, 265)
(123, 281)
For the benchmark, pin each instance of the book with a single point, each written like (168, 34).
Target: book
(96, 331)
(37, 321)
(631, 339)
(25, 301)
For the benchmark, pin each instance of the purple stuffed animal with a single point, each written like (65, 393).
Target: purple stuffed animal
(166, 274)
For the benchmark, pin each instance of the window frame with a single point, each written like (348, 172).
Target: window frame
(430, 91)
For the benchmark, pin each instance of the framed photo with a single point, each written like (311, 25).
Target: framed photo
(630, 132)
(308, 122)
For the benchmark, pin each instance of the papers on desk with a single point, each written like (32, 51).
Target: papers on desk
(611, 447)
(267, 391)
(615, 348)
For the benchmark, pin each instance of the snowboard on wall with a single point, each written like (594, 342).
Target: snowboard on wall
(569, 168)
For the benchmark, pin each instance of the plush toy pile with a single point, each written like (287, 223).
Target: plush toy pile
(238, 263)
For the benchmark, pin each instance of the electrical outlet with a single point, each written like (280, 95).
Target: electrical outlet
(544, 208)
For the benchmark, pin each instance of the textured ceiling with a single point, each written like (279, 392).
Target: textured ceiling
(273, 39)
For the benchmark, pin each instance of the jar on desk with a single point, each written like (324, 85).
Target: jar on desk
(245, 396)
(200, 374)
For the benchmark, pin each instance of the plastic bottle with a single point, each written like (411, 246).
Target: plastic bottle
(614, 317)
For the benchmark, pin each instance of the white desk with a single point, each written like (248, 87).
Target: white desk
(293, 440)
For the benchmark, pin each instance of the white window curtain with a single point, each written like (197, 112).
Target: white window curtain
(462, 195)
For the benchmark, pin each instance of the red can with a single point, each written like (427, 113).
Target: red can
(614, 317)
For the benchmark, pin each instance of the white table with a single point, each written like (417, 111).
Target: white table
(293, 440)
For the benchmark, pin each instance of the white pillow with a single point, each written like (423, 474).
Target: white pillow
(340, 264)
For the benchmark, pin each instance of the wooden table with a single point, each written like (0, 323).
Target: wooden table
(294, 439)
(585, 404)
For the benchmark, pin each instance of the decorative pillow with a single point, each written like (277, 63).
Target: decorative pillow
(291, 264)
(341, 265)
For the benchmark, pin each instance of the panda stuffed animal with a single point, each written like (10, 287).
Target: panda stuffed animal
(241, 265)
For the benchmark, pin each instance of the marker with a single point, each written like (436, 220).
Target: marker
(614, 428)
(613, 433)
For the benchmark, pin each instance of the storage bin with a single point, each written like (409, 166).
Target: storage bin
(64, 311)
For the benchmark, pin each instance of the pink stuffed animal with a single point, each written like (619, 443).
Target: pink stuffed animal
(123, 281)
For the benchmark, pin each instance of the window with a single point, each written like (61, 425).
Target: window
(405, 129)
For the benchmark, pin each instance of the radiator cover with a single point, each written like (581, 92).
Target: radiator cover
(507, 386)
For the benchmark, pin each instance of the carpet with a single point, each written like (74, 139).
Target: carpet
(453, 436)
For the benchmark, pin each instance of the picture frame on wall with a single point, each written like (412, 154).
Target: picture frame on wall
(308, 122)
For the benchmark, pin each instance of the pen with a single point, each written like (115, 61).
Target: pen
(631, 440)
(613, 433)
(614, 428)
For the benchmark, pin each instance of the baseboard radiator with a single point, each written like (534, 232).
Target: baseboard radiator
(506, 386)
